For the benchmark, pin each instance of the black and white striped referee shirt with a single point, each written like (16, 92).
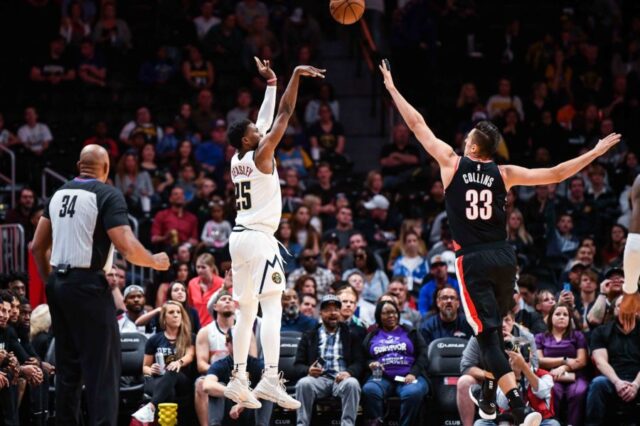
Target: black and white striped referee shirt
(81, 212)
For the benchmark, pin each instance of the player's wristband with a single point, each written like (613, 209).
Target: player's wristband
(272, 81)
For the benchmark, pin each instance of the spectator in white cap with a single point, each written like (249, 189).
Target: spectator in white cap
(134, 301)
(378, 202)
(379, 227)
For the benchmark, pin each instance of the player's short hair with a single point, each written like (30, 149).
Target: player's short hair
(486, 137)
(236, 132)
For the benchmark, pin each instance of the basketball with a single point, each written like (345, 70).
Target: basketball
(346, 12)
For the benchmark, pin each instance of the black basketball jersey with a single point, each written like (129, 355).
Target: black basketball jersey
(475, 201)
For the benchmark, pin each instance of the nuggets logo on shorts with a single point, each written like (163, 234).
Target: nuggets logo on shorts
(276, 277)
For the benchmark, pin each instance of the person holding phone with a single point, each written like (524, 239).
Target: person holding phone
(330, 358)
(401, 353)
(568, 297)
(562, 350)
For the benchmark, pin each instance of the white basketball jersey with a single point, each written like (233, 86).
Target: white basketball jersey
(258, 197)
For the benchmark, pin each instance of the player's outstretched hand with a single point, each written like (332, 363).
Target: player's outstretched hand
(309, 71)
(629, 308)
(605, 144)
(161, 261)
(386, 74)
(264, 68)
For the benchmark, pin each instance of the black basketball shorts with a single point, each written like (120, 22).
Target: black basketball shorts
(487, 279)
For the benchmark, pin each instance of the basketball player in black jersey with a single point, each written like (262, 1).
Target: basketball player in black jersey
(476, 189)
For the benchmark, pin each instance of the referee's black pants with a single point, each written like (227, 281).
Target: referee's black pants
(87, 346)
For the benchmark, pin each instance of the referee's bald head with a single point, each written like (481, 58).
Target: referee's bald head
(94, 162)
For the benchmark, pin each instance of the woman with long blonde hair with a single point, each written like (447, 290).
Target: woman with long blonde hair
(174, 348)
(516, 228)
(177, 291)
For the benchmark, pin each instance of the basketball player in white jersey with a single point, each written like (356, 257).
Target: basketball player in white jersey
(258, 274)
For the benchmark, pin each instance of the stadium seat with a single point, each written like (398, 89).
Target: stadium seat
(288, 346)
(444, 370)
(131, 380)
(625, 414)
(289, 341)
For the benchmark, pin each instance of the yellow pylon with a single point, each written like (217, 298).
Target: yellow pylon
(168, 414)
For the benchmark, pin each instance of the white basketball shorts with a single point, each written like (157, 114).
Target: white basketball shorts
(256, 265)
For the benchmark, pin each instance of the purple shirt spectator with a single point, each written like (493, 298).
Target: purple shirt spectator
(394, 350)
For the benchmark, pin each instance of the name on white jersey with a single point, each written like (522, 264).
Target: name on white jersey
(241, 170)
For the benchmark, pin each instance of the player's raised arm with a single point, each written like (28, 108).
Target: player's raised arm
(440, 150)
(268, 106)
(268, 144)
(516, 175)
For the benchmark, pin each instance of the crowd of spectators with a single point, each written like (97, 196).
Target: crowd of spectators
(370, 255)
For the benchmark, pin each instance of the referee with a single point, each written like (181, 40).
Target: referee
(80, 222)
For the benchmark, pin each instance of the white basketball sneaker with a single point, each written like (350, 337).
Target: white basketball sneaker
(239, 392)
(272, 388)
